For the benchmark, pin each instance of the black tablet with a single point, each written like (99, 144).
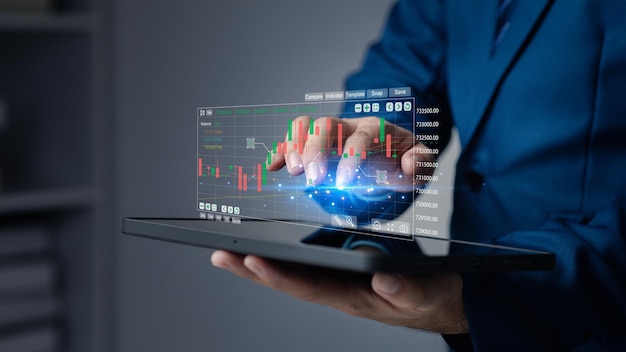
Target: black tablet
(336, 248)
(247, 202)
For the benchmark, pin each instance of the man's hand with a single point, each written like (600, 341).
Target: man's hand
(309, 153)
(431, 303)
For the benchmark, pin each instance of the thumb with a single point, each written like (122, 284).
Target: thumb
(433, 303)
(401, 292)
(418, 293)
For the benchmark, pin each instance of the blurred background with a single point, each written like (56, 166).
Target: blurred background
(97, 122)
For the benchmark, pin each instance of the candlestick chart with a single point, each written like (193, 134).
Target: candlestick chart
(236, 144)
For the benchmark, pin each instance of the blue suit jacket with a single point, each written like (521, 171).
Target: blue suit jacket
(542, 124)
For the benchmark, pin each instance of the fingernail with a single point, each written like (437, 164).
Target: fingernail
(343, 175)
(219, 263)
(222, 266)
(295, 161)
(386, 283)
(312, 173)
(256, 269)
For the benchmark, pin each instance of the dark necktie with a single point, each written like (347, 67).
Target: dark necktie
(502, 22)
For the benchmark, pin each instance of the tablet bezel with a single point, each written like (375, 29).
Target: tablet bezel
(286, 245)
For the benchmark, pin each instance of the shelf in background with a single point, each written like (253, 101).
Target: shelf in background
(45, 200)
(52, 22)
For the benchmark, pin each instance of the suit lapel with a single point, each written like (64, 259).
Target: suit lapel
(488, 70)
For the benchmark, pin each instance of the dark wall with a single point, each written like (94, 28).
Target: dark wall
(171, 57)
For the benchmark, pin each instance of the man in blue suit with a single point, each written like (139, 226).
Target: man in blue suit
(540, 107)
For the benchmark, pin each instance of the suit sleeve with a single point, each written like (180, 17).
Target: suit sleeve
(579, 306)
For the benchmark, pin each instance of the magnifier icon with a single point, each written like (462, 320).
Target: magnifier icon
(349, 221)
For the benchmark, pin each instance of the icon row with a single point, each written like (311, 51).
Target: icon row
(220, 217)
(381, 225)
(378, 225)
(343, 220)
(227, 209)
(389, 107)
